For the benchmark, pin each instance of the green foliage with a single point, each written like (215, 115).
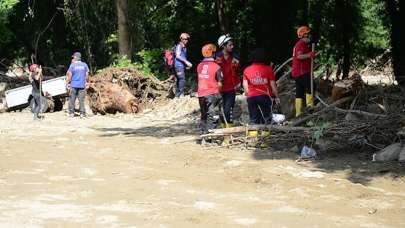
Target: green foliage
(318, 129)
(151, 61)
(357, 29)
(6, 7)
(121, 61)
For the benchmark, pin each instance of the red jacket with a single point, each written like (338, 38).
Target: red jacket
(207, 81)
(258, 76)
(230, 70)
(300, 67)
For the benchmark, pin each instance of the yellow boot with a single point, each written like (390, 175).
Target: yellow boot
(230, 125)
(252, 134)
(265, 144)
(298, 106)
(309, 100)
(227, 138)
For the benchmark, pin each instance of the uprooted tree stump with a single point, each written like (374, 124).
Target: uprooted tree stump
(124, 90)
(107, 97)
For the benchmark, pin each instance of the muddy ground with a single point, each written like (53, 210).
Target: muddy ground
(147, 171)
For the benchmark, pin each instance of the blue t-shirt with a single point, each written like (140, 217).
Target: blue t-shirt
(79, 71)
(183, 54)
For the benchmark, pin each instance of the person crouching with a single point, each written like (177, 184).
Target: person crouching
(209, 87)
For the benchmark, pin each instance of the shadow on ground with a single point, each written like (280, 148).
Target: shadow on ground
(357, 163)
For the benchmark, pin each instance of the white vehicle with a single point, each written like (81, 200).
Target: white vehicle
(21, 97)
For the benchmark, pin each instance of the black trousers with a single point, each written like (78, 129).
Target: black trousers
(228, 100)
(208, 113)
(302, 86)
(260, 109)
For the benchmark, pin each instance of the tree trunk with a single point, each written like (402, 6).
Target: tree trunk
(396, 11)
(124, 41)
(222, 19)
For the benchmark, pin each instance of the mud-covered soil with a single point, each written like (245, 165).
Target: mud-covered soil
(147, 171)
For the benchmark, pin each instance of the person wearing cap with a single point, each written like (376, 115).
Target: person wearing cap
(35, 78)
(230, 68)
(259, 83)
(76, 79)
(209, 86)
(301, 69)
(181, 63)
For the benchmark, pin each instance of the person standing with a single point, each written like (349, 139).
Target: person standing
(259, 83)
(181, 63)
(76, 79)
(301, 69)
(36, 78)
(230, 68)
(209, 86)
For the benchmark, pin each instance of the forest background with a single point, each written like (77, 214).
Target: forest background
(135, 32)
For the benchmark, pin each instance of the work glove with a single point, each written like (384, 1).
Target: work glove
(189, 65)
(277, 100)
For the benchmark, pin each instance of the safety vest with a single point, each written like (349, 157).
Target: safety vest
(207, 83)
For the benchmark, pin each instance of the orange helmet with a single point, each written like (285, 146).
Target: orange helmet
(34, 67)
(184, 36)
(302, 31)
(208, 50)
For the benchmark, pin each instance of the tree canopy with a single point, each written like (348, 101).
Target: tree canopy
(48, 31)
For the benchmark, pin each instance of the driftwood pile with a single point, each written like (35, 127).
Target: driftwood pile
(124, 90)
(348, 115)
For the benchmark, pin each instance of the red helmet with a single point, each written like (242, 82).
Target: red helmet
(34, 67)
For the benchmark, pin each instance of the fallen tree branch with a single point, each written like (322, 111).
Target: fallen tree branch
(327, 108)
(352, 111)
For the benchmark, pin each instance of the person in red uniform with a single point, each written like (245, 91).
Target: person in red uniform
(230, 68)
(209, 88)
(301, 69)
(260, 87)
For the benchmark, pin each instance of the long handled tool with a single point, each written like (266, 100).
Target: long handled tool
(40, 92)
(312, 71)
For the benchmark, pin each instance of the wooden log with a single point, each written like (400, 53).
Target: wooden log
(325, 109)
(242, 129)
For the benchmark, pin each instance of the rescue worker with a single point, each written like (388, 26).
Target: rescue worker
(76, 79)
(181, 63)
(259, 83)
(301, 69)
(35, 78)
(230, 68)
(209, 87)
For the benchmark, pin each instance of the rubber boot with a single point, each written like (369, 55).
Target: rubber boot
(298, 106)
(252, 134)
(309, 100)
(265, 144)
(227, 138)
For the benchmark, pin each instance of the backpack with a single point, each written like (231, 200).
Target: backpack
(169, 56)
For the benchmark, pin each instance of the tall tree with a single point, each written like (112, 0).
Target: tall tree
(222, 16)
(124, 39)
(396, 15)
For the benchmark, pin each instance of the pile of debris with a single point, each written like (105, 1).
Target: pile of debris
(349, 114)
(125, 90)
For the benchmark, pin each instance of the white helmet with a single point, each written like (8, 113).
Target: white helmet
(223, 39)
